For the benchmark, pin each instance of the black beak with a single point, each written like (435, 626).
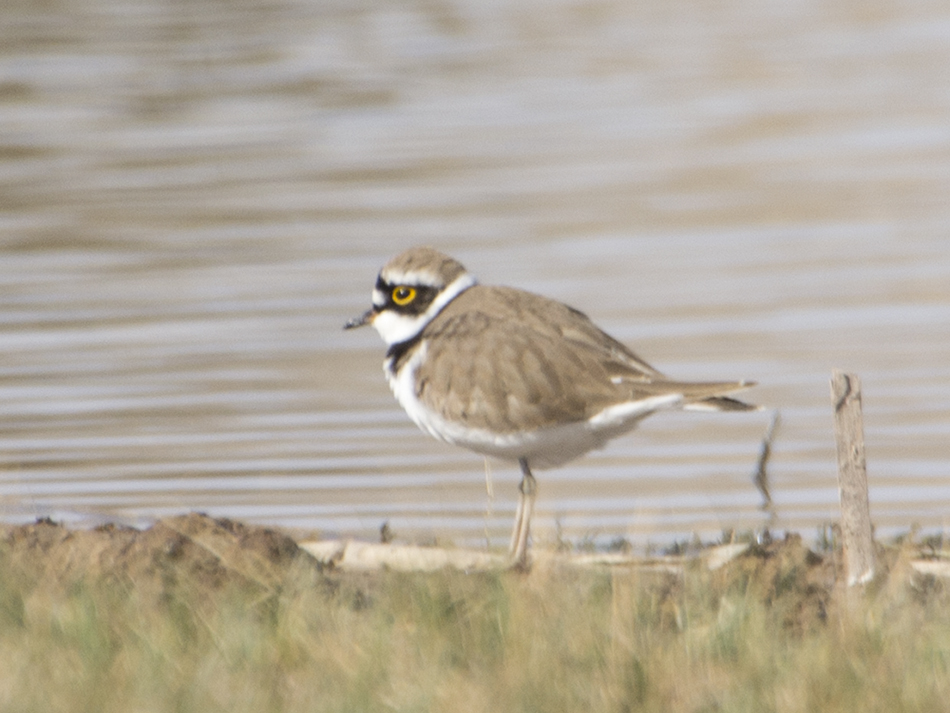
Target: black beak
(365, 318)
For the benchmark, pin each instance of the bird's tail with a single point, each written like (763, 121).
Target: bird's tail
(693, 395)
(697, 399)
(721, 403)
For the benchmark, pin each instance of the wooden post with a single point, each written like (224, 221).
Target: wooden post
(852, 478)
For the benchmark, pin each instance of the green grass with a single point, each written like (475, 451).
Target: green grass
(765, 633)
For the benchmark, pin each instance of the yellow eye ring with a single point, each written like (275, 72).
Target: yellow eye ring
(403, 295)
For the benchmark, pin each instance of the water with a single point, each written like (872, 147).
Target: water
(194, 196)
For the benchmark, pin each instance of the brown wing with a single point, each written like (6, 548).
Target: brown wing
(499, 358)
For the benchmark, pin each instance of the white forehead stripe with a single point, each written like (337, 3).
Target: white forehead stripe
(412, 277)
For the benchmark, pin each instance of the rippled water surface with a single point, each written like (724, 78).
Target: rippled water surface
(194, 196)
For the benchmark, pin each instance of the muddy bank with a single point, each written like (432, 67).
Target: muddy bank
(196, 556)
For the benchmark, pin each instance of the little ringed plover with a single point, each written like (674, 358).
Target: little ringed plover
(515, 375)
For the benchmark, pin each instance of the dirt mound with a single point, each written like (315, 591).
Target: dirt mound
(190, 555)
(788, 577)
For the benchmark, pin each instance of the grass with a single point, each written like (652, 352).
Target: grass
(772, 631)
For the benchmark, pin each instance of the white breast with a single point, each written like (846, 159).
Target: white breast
(403, 384)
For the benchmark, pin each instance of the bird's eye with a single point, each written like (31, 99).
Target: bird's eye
(403, 295)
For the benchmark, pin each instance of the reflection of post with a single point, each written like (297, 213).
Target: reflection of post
(852, 477)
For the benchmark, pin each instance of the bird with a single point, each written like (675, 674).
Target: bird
(514, 375)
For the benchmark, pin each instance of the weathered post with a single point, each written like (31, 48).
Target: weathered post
(852, 478)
